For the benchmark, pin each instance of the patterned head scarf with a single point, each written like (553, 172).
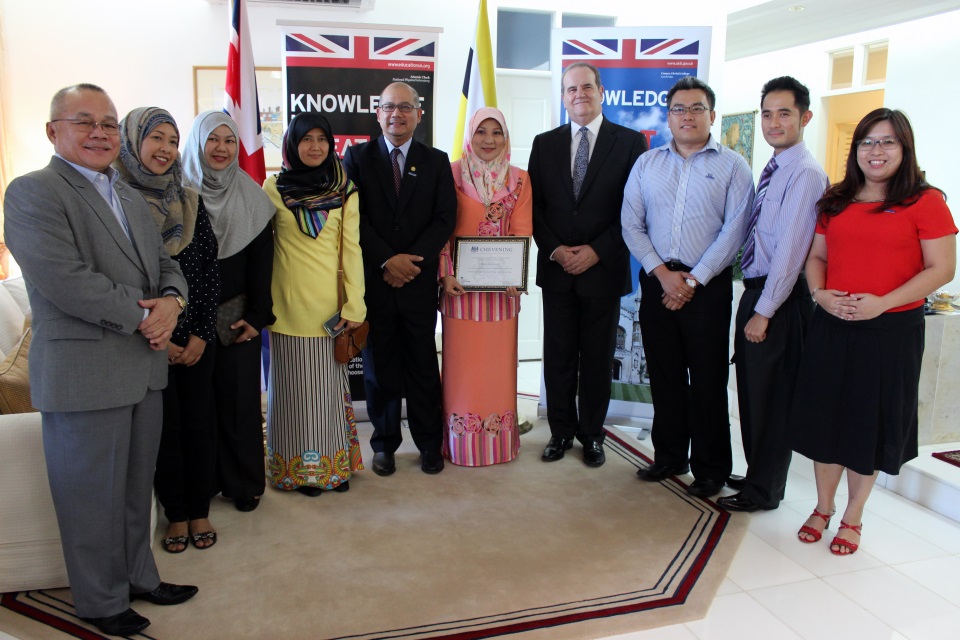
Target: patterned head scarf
(238, 208)
(311, 192)
(174, 208)
(486, 182)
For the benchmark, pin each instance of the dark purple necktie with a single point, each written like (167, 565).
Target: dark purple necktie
(395, 156)
(750, 246)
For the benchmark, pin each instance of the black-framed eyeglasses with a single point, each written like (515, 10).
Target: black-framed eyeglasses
(403, 107)
(86, 125)
(885, 143)
(696, 110)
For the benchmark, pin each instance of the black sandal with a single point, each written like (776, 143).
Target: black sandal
(206, 535)
(172, 540)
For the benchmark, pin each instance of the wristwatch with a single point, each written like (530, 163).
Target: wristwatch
(180, 301)
(691, 282)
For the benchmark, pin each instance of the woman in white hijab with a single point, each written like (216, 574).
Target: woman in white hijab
(240, 213)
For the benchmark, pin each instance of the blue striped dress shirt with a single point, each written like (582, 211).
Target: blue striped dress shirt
(784, 231)
(693, 210)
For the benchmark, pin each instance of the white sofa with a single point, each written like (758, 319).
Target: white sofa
(30, 552)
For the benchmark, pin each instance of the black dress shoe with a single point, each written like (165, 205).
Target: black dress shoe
(735, 482)
(705, 488)
(431, 462)
(313, 492)
(342, 487)
(167, 594)
(246, 504)
(383, 463)
(593, 455)
(125, 623)
(657, 472)
(556, 447)
(740, 502)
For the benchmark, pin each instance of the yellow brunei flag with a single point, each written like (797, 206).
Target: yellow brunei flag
(479, 82)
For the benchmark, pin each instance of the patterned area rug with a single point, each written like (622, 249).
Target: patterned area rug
(527, 549)
(953, 457)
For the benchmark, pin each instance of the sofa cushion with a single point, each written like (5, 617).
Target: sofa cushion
(15, 379)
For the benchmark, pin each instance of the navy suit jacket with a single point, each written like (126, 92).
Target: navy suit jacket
(418, 221)
(593, 218)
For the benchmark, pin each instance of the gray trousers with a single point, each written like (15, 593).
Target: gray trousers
(101, 466)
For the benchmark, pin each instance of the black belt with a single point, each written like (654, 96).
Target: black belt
(754, 283)
(673, 265)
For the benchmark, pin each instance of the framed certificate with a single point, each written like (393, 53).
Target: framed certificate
(491, 263)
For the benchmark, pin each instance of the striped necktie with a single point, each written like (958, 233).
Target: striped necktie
(395, 157)
(580, 161)
(750, 246)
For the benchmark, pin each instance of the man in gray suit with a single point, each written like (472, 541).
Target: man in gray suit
(105, 298)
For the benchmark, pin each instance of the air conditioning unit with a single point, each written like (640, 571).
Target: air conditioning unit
(356, 5)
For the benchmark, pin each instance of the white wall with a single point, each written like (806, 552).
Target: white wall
(144, 56)
(921, 81)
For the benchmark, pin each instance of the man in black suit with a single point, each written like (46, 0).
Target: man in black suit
(408, 210)
(578, 172)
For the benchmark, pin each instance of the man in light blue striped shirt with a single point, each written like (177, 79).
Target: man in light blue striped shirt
(776, 305)
(684, 216)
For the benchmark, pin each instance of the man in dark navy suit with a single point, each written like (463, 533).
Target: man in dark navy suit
(577, 172)
(408, 210)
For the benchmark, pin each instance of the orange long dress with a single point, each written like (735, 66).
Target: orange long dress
(480, 341)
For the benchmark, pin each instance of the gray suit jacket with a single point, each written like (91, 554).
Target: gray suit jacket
(84, 279)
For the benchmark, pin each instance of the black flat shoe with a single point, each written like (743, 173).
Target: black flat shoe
(313, 492)
(168, 544)
(658, 472)
(343, 487)
(705, 488)
(555, 448)
(246, 504)
(210, 536)
(125, 623)
(593, 455)
(740, 502)
(735, 482)
(383, 463)
(431, 462)
(167, 594)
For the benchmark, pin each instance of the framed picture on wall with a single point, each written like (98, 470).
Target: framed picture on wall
(737, 133)
(209, 92)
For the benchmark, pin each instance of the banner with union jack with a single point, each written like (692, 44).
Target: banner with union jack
(340, 72)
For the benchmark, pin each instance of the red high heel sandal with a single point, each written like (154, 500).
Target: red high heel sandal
(843, 543)
(813, 532)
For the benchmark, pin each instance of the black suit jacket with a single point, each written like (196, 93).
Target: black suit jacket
(593, 218)
(419, 221)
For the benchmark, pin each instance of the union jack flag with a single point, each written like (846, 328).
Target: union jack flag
(360, 52)
(631, 52)
(241, 102)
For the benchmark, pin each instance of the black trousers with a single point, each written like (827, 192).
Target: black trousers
(187, 460)
(579, 338)
(688, 359)
(236, 390)
(766, 377)
(401, 360)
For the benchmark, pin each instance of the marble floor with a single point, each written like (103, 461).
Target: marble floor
(903, 583)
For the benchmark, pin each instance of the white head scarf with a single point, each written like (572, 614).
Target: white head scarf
(238, 208)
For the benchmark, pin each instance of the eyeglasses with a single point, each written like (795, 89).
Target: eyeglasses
(696, 110)
(88, 126)
(389, 107)
(886, 144)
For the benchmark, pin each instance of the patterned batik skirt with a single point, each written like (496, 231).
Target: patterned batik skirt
(480, 392)
(311, 431)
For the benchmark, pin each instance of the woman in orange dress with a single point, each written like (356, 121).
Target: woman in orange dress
(480, 329)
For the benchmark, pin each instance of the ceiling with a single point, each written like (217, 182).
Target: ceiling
(772, 26)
